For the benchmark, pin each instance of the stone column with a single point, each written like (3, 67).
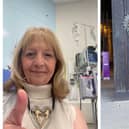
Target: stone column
(120, 8)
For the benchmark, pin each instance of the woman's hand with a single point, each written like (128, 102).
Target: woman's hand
(14, 119)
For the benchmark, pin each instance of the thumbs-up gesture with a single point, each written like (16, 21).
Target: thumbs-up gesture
(14, 119)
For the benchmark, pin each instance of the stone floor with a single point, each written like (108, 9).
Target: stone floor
(114, 108)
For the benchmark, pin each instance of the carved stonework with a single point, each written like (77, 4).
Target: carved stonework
(126, 23)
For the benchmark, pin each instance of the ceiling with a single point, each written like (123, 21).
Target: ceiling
(64, 1)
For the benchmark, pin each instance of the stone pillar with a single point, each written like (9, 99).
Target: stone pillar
(120, 8)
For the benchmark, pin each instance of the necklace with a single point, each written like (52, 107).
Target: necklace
(41, 102)
(39, 116)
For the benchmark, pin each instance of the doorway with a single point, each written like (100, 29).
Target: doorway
(106, 36)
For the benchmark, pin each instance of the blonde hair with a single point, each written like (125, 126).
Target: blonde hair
(59, 84)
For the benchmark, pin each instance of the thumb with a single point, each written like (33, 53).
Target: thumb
(17, 113)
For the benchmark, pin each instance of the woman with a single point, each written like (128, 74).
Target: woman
(38, 76)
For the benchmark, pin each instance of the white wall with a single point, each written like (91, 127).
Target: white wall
(84, 12)
(18, 15)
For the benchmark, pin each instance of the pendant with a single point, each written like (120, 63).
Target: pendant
(40, 116)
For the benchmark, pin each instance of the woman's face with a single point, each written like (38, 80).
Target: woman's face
(38, 63)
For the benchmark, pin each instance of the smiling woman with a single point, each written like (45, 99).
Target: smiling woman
(38, 63)
(37, 73)
(37, 46)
